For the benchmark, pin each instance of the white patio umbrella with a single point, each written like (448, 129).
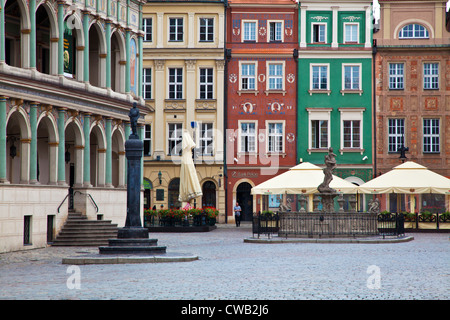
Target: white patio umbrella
(189, 184)
(302, 179)
(408, 178)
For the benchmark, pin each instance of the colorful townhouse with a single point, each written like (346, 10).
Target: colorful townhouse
(412, 68)
(261, 44)
(183, 88)
(334, 80)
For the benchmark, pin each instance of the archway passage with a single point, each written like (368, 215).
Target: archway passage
(13, 35)
(209, 194)
(245, 200)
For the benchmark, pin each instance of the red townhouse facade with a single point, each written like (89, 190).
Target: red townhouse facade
(261, 42)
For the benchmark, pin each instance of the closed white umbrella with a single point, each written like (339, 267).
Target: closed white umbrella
(189, 184)
(303, 178)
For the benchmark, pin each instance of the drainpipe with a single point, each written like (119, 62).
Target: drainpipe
(374, 95)
(225, 117)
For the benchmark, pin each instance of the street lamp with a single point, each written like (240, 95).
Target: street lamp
(160, 177)
(402, 150)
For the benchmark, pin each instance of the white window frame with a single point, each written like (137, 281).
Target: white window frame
(243, 35)
(398, 134)
(311, 67)
(325, 32)
(177, 40)
(319, 114)
(145, 84)
(241, 77)
(415, 25)
(240, 135)
(351, 24)
(169, 83)
(281, 77)
(281, 39)
(205, 84)
(428, 78)
(434, 147)
(359, 66)
(207, 35)
(268, 136)
(170, 138)
(205, 139)
(147, 26)
(352, 114)
(148, 139)
(396, 77)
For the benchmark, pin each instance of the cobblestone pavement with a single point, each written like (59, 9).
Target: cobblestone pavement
(229, 269)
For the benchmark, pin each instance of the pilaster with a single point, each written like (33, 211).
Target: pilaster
(3, 159)
(33, 142)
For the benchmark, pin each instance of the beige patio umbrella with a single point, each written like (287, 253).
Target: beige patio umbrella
(189, 184)
(302, 179)
(408, 178)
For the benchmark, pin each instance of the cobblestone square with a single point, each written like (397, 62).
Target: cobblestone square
(229, 269)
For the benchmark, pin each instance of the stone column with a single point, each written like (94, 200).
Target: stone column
(108, 167)
(61, 38)
(190, 93)
(127, 134)
(108, 54)
(86, 46)
(33, 142)
(2, 36)
(3, 154)
(33, 34)
(334, 30)
(303, 26)
(87, 151)
(127, 63)
(220, 130)
(61, 147)
(159, 89)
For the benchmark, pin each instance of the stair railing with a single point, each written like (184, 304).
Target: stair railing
(63, 201)
(90, 197)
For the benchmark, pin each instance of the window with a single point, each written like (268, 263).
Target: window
(413, 31)
(247, 137)
(206, 139)
(351, 32)
(147, 140)
(431, 75)
(396, 76)
(275, 76)
(176, 83)
(319, 32)
(206, 83)
(176, 29)
(206, 29)
(147, 83)
(249, 31)
(396, 134)
(248, 76)
(275, 137)
(431, 141)
(275, 33)
(352, 134)
(319, 77)
(319, 134)
(175, 139)
(148, 26)
(352, 76)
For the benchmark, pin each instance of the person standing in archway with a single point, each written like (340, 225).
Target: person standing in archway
(237, 214)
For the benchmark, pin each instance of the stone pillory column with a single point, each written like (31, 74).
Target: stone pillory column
(133, 151)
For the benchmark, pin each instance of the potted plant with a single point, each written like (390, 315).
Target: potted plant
(149, 217)
(211, 214)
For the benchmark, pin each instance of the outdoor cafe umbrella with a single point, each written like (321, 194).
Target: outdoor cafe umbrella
(302, 179)
(408, 178)
(189, 184)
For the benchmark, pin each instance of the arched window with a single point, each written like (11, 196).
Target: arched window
(413, 31)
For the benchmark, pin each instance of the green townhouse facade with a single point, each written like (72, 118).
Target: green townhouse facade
(334, 108)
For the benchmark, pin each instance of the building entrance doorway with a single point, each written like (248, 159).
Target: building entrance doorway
(245, 200)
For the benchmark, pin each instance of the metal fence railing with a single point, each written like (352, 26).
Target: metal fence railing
(299, 224)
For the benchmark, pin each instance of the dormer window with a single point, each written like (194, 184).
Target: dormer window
(413, 31)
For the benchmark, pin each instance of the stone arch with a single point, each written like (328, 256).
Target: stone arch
(404, 23)
(97, 55)
(98, 154)
(74, 144)
(118, 160)
(46, 58)
(118, 54)
(18, 137)
(20, 57)
(47, 149)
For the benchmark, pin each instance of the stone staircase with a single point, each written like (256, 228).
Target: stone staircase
(79, 231)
